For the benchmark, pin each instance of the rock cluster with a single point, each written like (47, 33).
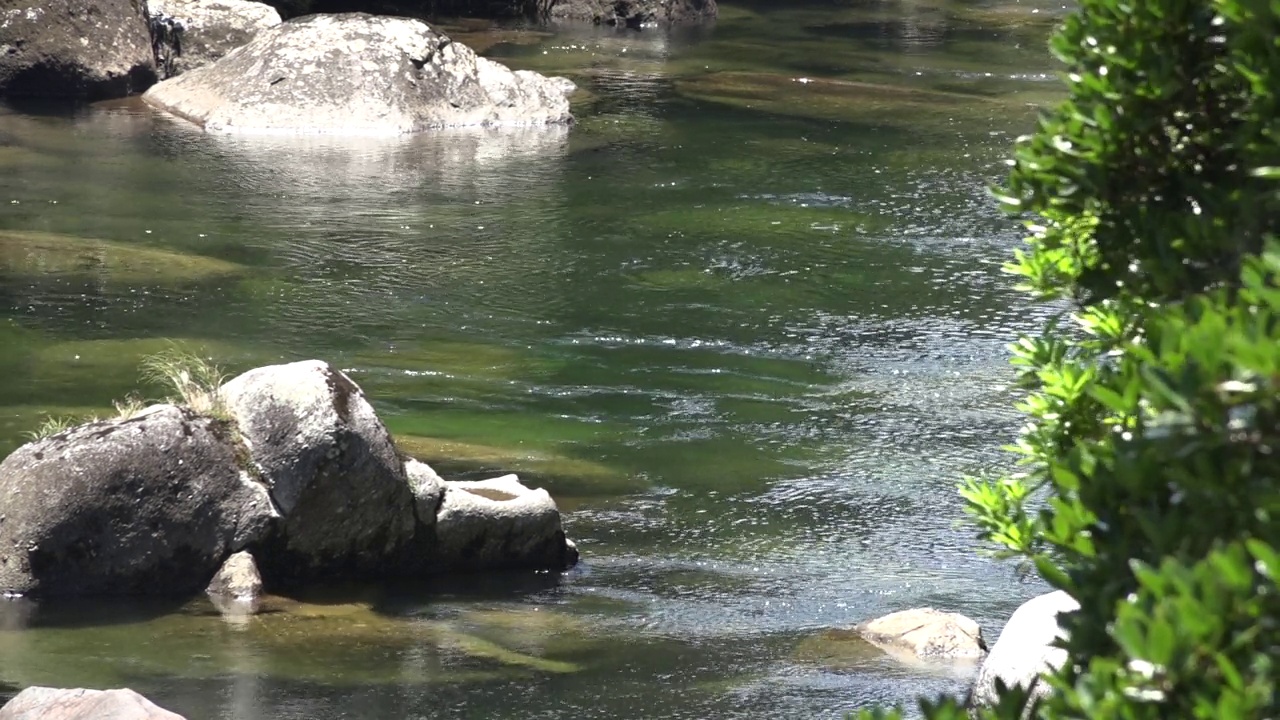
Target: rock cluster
(300, 482)
(233, 66)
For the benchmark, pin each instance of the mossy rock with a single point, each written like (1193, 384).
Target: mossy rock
(839, 100)
(30, 253)
(459, 359)
(559, 473)
(763, 220)
(12, 157)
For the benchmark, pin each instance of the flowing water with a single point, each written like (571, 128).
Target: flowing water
(745, 320)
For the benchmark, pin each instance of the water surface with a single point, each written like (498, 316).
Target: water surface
(745, 321)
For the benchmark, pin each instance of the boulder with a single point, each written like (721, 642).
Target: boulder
(358, 74)
(82, 49)
(634, 13)
(498, 524)
(44, 703)
(187, 34)
(151, 505)
(237, 582)
(926, 633)
(1025, 650)
(330, 466)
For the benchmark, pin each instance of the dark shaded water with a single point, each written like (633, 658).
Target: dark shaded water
(746, 321)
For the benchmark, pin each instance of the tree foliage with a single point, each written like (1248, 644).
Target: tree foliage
(1149, 483)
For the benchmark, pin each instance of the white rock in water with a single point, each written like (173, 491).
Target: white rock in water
(358, 74)
(1025, 649)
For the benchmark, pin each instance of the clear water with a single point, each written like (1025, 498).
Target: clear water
(745, 321)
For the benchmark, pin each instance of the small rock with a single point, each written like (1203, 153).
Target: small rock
(926, 633)
(1025, 649)
(44, 703)
(428, 491)
(500, 523)
(237, 581)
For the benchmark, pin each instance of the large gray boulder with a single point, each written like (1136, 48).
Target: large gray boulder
(188, 34)
(634, 13)
(83, 49)
(45, 703)
(151, 505)
(358, 74)
(1025, 651)
(332, 470)
(500, 524)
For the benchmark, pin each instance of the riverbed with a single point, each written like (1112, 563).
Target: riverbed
(745, 320)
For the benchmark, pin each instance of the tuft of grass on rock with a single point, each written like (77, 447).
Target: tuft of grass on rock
(195, 380)
(129, 407)
(54, 424)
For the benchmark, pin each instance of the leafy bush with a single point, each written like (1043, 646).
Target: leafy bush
(1150, 483)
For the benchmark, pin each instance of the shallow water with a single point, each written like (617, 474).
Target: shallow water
(745, 320)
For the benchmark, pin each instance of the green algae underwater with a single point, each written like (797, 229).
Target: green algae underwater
(745, 321)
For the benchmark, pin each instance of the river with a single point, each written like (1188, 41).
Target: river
(745, 320)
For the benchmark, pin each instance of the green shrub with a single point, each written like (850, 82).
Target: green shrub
(1150, 464)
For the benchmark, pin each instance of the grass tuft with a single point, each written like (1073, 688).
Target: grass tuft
(195, 379)
(52, 425)
(129, 407)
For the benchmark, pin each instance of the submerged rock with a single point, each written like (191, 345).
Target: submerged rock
(45, 703)
(151, 505)
(73, 49)
(634, 13)
(1024, 650)
(188, 34)
(500, 523)
(332, 471)
(45, 254)
(359, 74)
(926, 633)
(838, 649)
(568, 475)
